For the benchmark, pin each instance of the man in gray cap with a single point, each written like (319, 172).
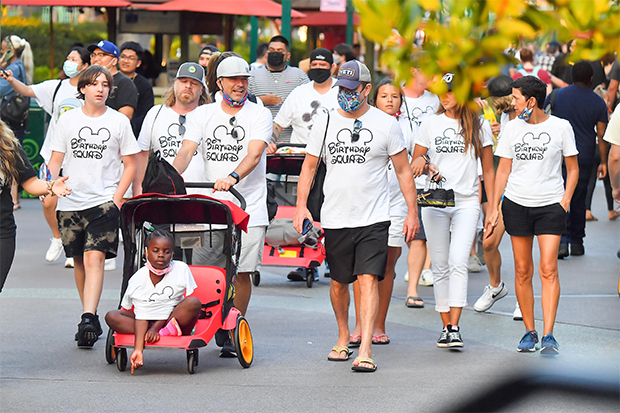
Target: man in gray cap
(357, 142)
(164, 125)
(234, 134)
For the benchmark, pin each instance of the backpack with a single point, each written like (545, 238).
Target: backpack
(532, 73)
(14, 109)
(162, 178)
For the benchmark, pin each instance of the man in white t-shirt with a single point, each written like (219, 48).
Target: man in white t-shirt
(307, 101)
(92, 141)
(234, 134)
(355, 215)
(164, 125)
(419, 103)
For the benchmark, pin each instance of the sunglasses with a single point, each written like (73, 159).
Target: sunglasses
(181, 124)
(235, 129)
(357, 127)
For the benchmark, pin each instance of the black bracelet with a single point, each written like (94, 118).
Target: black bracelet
(426, 158)
(235, 175)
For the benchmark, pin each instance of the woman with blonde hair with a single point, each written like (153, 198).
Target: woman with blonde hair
(15, 168)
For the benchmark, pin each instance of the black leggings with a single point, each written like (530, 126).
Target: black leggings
(7, 252)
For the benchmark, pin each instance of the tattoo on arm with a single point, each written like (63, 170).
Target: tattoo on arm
(277, 129)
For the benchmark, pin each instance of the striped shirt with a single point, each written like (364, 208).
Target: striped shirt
(264, 82)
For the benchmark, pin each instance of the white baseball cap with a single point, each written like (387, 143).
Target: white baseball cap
(233, 66)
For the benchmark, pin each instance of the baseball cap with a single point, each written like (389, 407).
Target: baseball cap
(499, 86)
(106, 46)
(447, 79)
(191, 70)
(352, 73)
(209, 50)
(322, 54)
(233, 66)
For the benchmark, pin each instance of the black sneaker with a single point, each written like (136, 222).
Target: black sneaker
(577, 249)
(298, 275)
(443, 338)
(228, 350)
(97, 324)
(563, 251)
(454, 338)
(87, 331)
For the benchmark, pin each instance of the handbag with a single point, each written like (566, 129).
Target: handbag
(316, 196)
(14, 109)
(162, 178)
(437, 196)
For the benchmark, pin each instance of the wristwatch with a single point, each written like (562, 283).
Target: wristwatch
(235, 175)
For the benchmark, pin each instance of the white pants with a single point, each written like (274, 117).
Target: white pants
(450, 233)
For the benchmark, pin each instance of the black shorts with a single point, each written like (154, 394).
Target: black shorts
(523, 221)
(356, 251)
(93, 229)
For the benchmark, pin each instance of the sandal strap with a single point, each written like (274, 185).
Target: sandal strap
(340, 349)
(365, 360)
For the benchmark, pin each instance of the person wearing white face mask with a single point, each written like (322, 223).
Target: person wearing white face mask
(56, 97)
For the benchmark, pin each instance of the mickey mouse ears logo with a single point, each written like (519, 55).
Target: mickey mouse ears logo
(542, 139)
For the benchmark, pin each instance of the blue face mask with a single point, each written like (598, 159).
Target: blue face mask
(526, 114)
(349, 101)
(70, 68)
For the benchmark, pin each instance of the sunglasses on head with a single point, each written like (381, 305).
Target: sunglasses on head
(357, 127)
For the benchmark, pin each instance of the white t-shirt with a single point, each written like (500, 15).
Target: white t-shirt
(222, 153)
(161, 132)
(301, 108)
(612, 133)
(442, 136)
(537, 153)
(93, 148)
(356, 184)
(398, 205)
(420, 108)
(66, 99)
(156, 302)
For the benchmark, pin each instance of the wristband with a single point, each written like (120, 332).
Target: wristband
(235, 175)
(49, 185)
(426, 158)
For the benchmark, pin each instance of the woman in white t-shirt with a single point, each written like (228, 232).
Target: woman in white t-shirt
(55, 97)
(156, 301)
(454, 139)
(532, 149)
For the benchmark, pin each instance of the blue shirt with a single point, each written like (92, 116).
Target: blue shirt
(18, 73)
(583, 109)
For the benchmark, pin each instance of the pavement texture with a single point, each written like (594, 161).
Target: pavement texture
(293, 328)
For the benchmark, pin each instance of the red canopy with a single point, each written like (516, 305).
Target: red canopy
(325, 18)
(261, 8)
(67, 3)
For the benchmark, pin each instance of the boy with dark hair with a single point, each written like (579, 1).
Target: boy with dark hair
(130, 59)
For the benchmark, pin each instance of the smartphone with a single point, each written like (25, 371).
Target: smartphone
(3, 72)
(307, 226)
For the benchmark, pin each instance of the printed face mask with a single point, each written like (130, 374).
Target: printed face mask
(275, 59)
(70, 68)
(349, 100)
(319, 75)
(232, 102)
(526, 114)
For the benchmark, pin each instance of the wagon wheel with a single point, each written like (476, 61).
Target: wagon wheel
(244, 344)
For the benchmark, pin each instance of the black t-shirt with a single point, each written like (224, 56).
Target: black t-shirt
(124, 94)
(7, 222)
(146, 100)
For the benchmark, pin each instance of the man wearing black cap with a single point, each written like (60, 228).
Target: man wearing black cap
(124, 95)
(205, 56)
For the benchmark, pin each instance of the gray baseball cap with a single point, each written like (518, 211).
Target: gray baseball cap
(233, 66)
(352, 73)
(191, 70)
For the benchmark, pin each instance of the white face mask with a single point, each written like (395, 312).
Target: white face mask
(70, 68)
(337, 58)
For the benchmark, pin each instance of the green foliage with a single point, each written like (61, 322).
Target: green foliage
(468, 37)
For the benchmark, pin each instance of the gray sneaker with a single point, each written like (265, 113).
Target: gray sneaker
(454, 339)
(443, 339)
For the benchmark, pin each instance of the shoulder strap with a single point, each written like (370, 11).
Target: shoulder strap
(408, 114)
(156, 115)
(252, 98)
(56, 92)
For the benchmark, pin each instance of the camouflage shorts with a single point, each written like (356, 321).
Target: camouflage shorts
(93, 229)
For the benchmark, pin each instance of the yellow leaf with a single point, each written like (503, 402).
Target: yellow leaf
(429, 4)
(582, 10)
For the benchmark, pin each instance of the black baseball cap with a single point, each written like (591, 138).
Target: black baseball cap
(499, 86)
(322, 54)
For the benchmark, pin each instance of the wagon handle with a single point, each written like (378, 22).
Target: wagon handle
(210, 185)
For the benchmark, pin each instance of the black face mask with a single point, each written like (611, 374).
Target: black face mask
(319, 75)
(275, 59)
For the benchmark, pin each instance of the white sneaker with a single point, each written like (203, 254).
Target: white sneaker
(517, 316)
(69, 263)
(473, 265)
(490, 296)
(54, 251)
(426, 277)
(110, 264)
(407, 277)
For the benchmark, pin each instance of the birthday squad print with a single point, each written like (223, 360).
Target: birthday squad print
(89, 144)
(450, 142)
(532, 148)
(347, 150)
(219, 147)
(418, 114)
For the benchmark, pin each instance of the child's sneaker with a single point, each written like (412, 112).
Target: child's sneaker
(88, 332)
(528, 342)
(549, 346)
(171, 329)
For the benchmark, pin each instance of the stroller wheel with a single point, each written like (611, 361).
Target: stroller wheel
(310, 277)
(256, 278)
(243, 342)
(192, 361)
(121, 359)
(110, 351)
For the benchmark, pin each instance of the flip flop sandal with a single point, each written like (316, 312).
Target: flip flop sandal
(411, 302)
(377, 339)
(355, 341)
(340, 349)
(363, 369)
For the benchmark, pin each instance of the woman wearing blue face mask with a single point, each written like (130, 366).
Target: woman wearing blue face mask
(55, 97)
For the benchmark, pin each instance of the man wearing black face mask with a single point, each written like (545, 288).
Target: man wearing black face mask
(307, 101)
(274, 82)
